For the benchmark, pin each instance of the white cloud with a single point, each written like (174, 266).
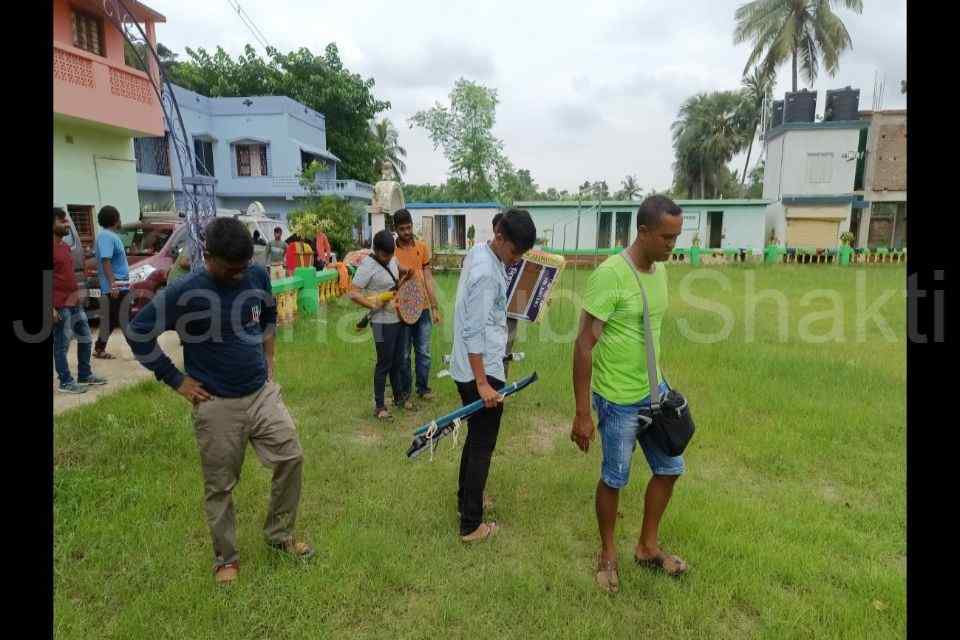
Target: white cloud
(588, 91)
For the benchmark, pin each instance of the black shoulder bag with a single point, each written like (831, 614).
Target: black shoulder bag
(668, 417)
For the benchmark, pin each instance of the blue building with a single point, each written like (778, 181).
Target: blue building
(255, 147)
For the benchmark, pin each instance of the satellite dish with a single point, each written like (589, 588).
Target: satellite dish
(256, 210)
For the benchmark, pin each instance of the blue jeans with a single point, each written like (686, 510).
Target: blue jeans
(417, 335)
(73, 322)
(618, 425)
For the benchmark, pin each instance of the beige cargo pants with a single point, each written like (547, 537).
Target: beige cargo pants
(223, 427)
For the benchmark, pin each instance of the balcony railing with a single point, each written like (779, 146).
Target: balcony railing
(89, 87)
(353, 188)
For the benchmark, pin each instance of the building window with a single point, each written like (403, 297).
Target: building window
(82, 216)
(623, 228)
(152, 155)
(603, 233)
(203, 156)
(87, 33)
(888, 225)
(252, 160)
(819, 168)
(450, 232)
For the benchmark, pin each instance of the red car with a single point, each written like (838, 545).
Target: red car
(151, 245)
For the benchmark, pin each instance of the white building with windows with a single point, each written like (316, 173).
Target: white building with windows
(255, 147)
(569, 226)
(810, 179)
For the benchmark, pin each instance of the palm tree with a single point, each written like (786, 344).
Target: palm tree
(757, 90)
(801, 30)
(706, 135)
(389, 150)
(630, 189)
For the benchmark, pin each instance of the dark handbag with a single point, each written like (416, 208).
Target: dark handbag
(668, 418)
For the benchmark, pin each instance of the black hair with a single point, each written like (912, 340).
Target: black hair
(59, 214)
(496, 220)
(108, 216)
(383, 241)
(402, 216)
(280, 229)
(653, 208)
(517, 226)
(256, 233)
(229, 240)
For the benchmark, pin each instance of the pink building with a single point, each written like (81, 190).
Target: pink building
(100, 103)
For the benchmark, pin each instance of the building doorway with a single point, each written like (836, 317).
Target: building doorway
(715, 229)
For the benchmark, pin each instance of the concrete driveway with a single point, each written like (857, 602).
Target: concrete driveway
(120, 372)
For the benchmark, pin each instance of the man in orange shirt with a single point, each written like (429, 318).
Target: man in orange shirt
(413, 254)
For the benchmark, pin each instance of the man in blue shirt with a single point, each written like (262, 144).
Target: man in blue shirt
(113, 272)
(226, 317)
(479, 346)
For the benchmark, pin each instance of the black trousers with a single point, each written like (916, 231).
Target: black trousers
(387, 339)
(114, 312)
(477, 451)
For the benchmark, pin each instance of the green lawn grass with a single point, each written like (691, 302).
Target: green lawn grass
(791, 514)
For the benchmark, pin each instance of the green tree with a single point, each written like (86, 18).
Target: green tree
(388, 148)
(757, 90)
(803, 31)
(137, 56)
(515, 186)
(320, 82)
(755, 188)
(335, 216)
(464, 130)
(729, 186)
(630, 189)
(424, 193)
(707, 134)
(599, 190)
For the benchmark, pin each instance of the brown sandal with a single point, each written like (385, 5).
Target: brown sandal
(226, 573)
(659, 561)
(489, 529)
(608, 575)
(103, 355)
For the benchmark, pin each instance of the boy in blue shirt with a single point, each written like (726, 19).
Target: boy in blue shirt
(113, 272)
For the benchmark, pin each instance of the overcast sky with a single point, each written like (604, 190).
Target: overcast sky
(588, 90)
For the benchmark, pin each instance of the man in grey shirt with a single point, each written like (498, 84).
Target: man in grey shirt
(479, 344)
(277, 248)
(378, 274)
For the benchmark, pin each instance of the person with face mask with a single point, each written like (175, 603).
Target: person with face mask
(229, 319)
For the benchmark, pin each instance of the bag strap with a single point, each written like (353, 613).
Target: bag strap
(647, 339)
(387, 269)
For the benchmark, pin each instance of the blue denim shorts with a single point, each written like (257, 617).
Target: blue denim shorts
(619, 433)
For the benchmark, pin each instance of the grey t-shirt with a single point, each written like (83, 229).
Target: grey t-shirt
(372, 279)
(276, 250)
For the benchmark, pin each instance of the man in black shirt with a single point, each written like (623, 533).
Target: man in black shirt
(226, 318)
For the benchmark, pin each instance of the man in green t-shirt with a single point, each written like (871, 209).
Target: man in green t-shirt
(610, 359)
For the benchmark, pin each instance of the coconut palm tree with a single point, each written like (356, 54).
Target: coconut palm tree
(804, 31)
(707, 134)
(757, 90)
(389, 150)
(630, 189)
